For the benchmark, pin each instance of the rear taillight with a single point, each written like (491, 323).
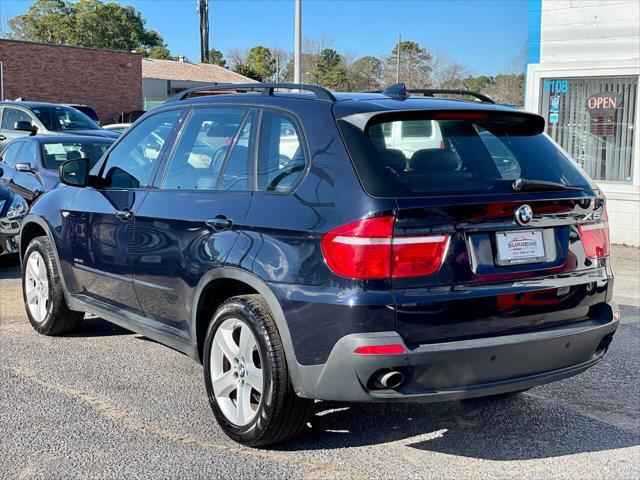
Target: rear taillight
(367, 249)
(595, 238)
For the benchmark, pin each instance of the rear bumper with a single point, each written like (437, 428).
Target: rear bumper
(461, 369)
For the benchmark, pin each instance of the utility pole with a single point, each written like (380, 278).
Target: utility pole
(297, 52)
(398, 60)
(203, 8)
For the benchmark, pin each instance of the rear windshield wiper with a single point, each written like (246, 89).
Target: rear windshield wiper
(524, 185)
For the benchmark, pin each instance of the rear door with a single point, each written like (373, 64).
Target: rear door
(187, 225)
(481, 258)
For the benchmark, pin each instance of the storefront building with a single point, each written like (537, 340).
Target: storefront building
(583, 69)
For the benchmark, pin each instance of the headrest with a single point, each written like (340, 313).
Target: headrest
(434, 160)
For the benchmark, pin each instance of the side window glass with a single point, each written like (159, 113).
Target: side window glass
(28, 154)
(200, 152)
(131, 162)
(10, 154)
(11, 115)
(281, 157)
(505, 160)
(236, 174)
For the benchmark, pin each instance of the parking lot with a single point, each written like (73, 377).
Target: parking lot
(108, 403)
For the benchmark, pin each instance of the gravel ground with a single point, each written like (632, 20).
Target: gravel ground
(107, 403)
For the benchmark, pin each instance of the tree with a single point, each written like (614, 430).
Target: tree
(330, 70)
(86, 23)
(161, 53)
(415, 65)
(366, 74)
(260, 61)
(216, 57)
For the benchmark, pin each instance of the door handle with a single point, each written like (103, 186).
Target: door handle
(219, 223)
(124, 214)
(2, 138)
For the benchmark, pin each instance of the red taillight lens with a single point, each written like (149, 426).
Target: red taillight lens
(367, 249)
(595, 238)
(416, 256)
(394, 349)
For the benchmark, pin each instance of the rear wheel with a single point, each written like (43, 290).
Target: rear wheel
(44, 300)
(246, 375)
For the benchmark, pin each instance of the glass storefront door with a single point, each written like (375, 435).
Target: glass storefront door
(593, 119)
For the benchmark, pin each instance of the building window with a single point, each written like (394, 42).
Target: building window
(593, 120)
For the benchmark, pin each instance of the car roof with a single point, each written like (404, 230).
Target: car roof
(346, 103)
(62, 138)
(31, 104)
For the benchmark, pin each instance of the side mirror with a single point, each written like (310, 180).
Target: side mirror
(75, 172)
(25, 126)
(23, 167)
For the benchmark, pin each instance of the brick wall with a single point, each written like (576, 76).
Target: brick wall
(109, 81)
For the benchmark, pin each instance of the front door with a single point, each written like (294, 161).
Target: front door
(189, 223)
(102, 216)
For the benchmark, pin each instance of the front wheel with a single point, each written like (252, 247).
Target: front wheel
(42, 291)
(246, 375)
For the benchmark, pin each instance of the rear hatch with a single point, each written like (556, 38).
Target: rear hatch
(522, 232)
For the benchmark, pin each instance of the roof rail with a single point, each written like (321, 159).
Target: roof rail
(321, 93)
(399, 90)
(430, 92)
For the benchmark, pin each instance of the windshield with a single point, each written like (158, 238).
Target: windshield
(56, 153)
(59, 118)
(457, 154)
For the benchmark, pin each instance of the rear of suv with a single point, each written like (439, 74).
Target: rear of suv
(313, 246)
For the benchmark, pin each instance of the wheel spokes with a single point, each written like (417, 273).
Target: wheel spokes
(254, 377)
(224, 384)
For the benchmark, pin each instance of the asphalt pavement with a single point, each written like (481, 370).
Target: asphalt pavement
(106, 403)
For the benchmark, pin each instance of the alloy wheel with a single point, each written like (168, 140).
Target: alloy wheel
(236, 371)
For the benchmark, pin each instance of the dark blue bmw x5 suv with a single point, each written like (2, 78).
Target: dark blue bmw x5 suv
(355, 247)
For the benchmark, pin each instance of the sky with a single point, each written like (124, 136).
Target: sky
(485, 35)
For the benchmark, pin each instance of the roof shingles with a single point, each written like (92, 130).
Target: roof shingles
(195, 72)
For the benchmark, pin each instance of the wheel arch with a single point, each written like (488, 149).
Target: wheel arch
(253, 284)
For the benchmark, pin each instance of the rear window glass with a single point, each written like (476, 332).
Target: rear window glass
(408, 156)
(56, 153)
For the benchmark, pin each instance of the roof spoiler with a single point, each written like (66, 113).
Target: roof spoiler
(321, 93)
(399, 90)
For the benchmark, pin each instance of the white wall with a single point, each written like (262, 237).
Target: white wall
(590, 38)
(589, 30)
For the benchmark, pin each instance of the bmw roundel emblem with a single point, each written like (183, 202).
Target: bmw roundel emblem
(524, 215)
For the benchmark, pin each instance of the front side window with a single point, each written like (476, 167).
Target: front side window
(10, 116)
(61, 118)
(200, 153)
(55, 154)
(281, 156)
(10, 154)
(27, 155)
(130, 163)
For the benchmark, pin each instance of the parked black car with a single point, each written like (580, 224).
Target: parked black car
(18, 119)
(351, 247)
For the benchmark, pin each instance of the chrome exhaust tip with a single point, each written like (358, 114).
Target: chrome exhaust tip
(389, 379)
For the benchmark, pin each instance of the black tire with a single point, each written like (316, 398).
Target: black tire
(59, 319)
(281, 414)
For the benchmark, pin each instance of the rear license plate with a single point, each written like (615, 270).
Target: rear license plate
(523, 246)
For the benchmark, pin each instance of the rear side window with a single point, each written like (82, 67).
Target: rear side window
(202, 149)
(455, 154)
(281, 156)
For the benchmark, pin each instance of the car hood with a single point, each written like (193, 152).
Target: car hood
(93, 133)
